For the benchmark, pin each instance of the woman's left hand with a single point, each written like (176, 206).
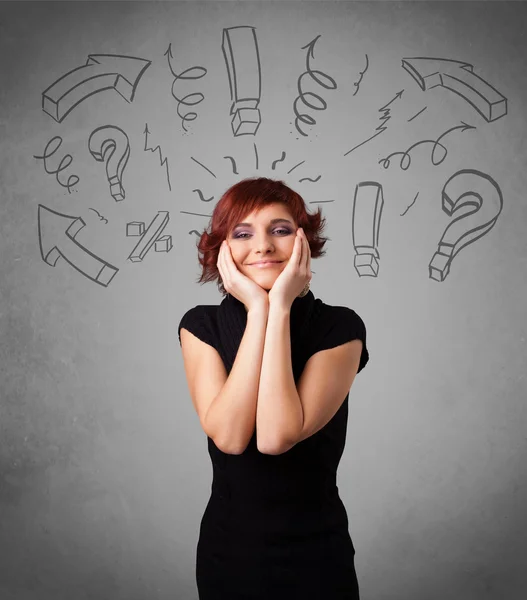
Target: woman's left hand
(296, 274)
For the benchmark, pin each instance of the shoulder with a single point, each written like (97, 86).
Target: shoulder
(336, 325)
(199, 321)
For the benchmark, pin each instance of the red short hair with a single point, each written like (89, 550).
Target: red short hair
(243, 198)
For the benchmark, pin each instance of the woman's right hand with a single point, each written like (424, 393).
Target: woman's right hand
(239, 285)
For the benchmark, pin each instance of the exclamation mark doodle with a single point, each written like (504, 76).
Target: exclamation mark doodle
(366, 219)
(240, 50)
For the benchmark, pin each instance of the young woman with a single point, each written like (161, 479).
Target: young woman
(269, 372)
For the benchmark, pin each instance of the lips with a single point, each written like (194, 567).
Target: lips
(266, 262)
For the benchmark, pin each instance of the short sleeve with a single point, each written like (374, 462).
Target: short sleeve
(196, 320)
(343, 325)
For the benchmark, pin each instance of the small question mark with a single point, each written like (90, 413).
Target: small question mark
(110, 144)
(480, 201)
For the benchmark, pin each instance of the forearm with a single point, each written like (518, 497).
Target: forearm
(279, 414)
(231, 417)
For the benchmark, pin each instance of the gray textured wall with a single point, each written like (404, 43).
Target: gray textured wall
(104, 472)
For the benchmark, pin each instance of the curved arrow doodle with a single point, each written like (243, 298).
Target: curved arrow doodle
(56, 238)
(457, 76)
(101, 72)
(479, 200)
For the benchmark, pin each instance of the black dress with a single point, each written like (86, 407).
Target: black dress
(275, 526)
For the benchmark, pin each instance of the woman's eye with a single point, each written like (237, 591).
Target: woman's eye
(243, 233)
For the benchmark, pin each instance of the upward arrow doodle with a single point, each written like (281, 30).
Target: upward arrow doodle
(101, 72)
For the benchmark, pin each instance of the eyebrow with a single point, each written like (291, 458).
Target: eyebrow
(273, 221)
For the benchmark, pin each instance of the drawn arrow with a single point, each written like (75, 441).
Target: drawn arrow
(101, 72)
(57, 233)
(458, 77)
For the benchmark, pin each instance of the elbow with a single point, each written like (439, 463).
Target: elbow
(274, 449)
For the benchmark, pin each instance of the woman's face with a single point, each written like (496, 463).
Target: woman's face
(258, 238)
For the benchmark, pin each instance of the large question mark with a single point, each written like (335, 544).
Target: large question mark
(480, 201)
(365, 223)
(110, 144)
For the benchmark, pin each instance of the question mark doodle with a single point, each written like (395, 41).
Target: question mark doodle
(110, 144)
(479, 199)
(366, 218)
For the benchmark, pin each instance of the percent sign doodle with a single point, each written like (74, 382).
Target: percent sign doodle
(109, 143)
(148, 237)
(240, 50)
(479, 200)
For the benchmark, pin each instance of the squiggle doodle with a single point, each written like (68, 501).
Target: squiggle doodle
(309, 179)
(189, 116)
(69, 184)
(273, 165)
(233, 164)
(202, 197)
(256, 155)
(99, 215)
(361, 73)
(381, 128)
(417, 114)
(162, 160)
(406, 155)
(303, 95)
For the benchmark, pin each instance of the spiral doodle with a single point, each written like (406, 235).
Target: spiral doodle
(186, 100)
(317, 76)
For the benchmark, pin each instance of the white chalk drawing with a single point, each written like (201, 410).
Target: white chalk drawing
(150, 236)
(111, 145)
(478, 200)
(242, 59)
(56, 238)
(405, 156)
(318, 77)
(185, 100)
(101, 217)
(64, 163)
(101, 72)
(163, 161)
(384, 118)
(361, 73)
(458, 77)
(368, 203)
